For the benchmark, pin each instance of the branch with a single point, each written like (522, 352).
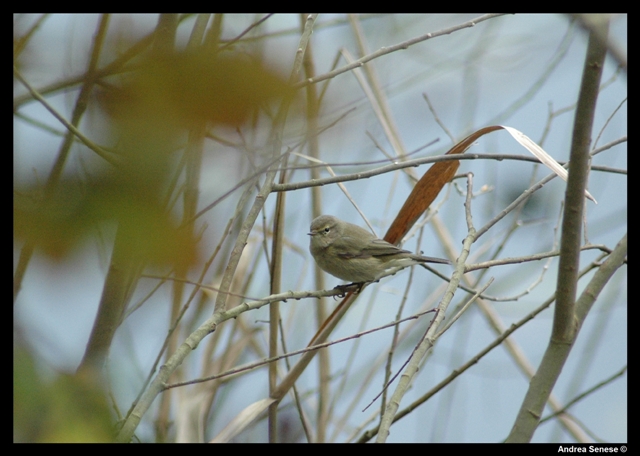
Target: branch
(566, 324)
(400, 46)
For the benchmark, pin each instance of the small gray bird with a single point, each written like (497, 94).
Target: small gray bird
(351, 253)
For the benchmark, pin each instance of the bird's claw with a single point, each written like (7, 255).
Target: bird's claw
(356, 287)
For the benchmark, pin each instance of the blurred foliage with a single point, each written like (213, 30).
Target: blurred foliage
(149, 112)
(187, 88)
(77, 208)
(67, 409)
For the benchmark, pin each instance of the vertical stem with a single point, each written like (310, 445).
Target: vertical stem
(565, 322)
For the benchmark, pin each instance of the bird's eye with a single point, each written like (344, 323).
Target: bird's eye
(326, 230)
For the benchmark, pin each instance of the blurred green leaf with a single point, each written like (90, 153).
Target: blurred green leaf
(77, 210)
(66, 409)
(188, 88)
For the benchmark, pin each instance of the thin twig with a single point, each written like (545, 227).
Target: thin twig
(400, 46)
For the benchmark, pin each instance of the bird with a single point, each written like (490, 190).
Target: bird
(351, 253)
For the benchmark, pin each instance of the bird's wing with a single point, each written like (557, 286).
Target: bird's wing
(345, 249)
(349, 248)
(378, 247)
